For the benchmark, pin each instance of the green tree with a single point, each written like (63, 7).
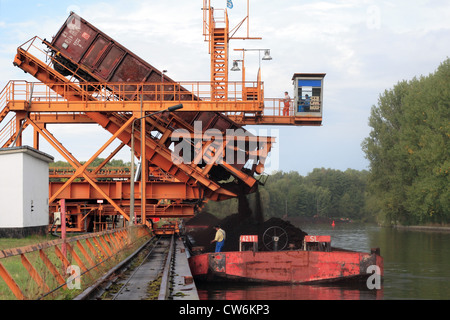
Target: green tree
(322, 202)
(408, 149)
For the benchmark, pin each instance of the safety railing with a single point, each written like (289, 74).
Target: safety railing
(108, 172)
(275, 107)
(124, 92)
(57, 268)
(8, 129)
(3, 101)
(108, 94)
(7, 133)
(210, 19)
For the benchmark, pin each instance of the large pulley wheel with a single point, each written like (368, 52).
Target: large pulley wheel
(275, 238)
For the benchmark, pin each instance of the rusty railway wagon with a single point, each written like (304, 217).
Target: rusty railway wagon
(102, 59)
(82, 50)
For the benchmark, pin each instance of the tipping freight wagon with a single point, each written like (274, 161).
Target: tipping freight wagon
(79, 48)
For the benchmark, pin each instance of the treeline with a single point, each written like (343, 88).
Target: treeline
(408, 150)
(325, 193)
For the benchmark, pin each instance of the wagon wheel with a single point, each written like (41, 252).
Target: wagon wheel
(275, 238)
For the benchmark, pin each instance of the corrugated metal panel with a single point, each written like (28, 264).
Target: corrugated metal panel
(74, 38)
(109, 62)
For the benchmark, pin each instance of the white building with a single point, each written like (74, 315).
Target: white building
(23, 191)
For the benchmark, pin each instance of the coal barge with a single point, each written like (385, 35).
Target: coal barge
(315, 263)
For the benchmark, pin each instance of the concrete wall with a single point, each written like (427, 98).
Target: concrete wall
(23, 188)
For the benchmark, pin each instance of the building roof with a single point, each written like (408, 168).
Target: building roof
(308, 75)
(28, 150)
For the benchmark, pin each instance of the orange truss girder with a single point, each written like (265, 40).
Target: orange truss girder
(120, 190)
(156, 153)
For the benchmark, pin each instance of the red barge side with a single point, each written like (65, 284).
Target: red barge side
(292, 266)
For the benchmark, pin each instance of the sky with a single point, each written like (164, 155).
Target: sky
(364, 47)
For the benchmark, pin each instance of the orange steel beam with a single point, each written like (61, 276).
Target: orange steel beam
(22, 60)
(60, 118)
(4, 112)
(85, 254)
(74, 93)
(79, 261)
(6, 276)
(51, 268)
(276, 120)
(80, 169)
(113, 122)
(157, 154)
(55, 144)
(242, 112)
(133, 106)
(144, 167)
(78, 118)
(120, 190)
(108, 158)
(161, 156)
(171, 210)
(33, 273)
(78, 210)
(109, 173)
(10, 132)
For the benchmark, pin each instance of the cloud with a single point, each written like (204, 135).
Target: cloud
(364, 47)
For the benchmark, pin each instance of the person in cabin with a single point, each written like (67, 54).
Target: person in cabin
(307, 103)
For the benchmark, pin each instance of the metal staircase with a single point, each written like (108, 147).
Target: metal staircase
(219, 64)
(216, 32)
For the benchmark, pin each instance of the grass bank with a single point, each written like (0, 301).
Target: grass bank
(16, 269)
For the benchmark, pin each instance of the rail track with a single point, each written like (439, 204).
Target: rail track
(155, 271)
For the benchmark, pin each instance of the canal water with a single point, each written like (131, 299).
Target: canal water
(416, 267)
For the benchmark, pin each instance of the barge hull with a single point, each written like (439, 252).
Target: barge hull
(295, 267)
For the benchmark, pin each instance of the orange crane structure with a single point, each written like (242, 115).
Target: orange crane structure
(188, 156)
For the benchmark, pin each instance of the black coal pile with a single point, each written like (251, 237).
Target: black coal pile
(238, 224)
(203, 219)
(245, 222)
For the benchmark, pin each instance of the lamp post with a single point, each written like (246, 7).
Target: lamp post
(236, 67)
(265, 58)
(132, 173)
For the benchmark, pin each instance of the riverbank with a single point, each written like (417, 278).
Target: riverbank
(301, 221)
(316, 220)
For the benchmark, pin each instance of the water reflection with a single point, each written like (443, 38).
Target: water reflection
(284, 292)
(417, 263)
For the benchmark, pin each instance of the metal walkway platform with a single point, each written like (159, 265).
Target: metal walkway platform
(183, 283)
